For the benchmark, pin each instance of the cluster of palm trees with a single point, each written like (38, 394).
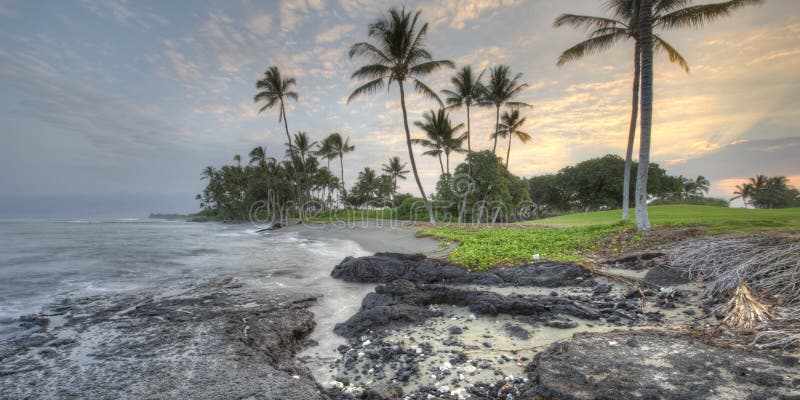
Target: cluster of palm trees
(638, 21)
(397, 55)
(767, 192)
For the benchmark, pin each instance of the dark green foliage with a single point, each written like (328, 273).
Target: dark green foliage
(595, 184)
(491, 184)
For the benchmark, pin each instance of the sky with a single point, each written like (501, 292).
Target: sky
(122, 100)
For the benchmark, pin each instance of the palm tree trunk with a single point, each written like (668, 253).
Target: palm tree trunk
(341, 167)
(508, 152)
(440, 163)
(291, 148)
(646, 42)
(496, 128)
(469, 171)
(411, 152)
(626, 188)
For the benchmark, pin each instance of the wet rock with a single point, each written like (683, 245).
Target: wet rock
(652, 365)
(403, 302)
(199, 343)
(416, 268)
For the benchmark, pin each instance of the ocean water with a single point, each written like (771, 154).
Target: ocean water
(44, 261)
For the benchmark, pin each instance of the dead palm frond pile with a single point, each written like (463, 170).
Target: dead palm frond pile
(749, 270)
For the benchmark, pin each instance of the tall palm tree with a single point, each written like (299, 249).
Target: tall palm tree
(500, 91)
(623, 25)
(443, 138)
(396, 169)
(510, 124)
(275, 91)
(467, 90)
(646, 47)
(340, 147)
(398, 55)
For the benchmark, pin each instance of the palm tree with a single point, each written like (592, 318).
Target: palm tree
(441, 135)
(701, 185)
(396, 169)
(275, 90)
(467, 90)
(208, 173)
(500, 90)
(646, 47)
(325, 150)
(623, 25)
(744, 192)
(398, 55)
(339, 148)
(509, 126)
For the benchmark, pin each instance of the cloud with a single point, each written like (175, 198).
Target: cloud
(335, 33)
(293, 12)
(260, 24)
(124, 14)
(456, 13)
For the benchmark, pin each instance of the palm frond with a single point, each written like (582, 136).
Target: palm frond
(674, 56)
(424, 90)
(367, 88)
(592, 45)
(429, 67)
(585, 22)
(371, 71)
(699, 15)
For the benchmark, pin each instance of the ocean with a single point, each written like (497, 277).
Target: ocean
(42, 262)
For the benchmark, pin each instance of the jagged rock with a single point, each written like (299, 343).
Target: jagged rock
(650, 364)
(403, 302)
(416, 268)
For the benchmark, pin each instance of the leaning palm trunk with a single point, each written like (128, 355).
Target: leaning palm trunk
(646, 42)
(626, 189)
(469, 172)
(411, 153)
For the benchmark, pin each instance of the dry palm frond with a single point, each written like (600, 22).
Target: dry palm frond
(743, 310)
(768, 263)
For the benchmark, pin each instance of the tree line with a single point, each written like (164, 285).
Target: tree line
(395, 54)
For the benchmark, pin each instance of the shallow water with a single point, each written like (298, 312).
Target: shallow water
(42, 262)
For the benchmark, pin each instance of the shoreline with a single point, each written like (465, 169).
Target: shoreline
(373, 236)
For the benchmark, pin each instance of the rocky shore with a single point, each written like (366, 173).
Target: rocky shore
(543, 330)
(210, 341)
(428, 330)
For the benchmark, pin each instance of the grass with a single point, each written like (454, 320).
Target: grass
(715, 219)
(482, 248)
(569, 237)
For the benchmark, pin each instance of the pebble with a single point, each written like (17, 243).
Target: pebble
(366, 343)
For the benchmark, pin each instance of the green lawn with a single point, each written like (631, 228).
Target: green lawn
(568, 237)
(716, 219)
